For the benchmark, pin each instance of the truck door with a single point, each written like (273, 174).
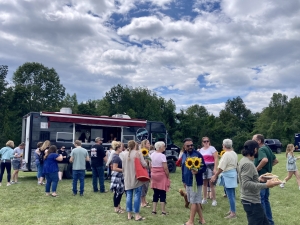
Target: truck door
(26, 136)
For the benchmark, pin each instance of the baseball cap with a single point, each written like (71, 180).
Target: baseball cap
(98, 139)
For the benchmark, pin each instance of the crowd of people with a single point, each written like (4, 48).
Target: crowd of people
(199, 180)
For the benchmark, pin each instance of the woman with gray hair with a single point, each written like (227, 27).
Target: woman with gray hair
(159, 177)
(227, 166)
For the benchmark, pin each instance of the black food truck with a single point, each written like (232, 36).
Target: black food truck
(63, 128)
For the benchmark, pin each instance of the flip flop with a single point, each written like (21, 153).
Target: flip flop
(54, 196)
(146, 206)
(140, 219)
(130, 218)
(119, 211)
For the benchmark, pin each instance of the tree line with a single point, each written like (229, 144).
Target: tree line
(36, 87)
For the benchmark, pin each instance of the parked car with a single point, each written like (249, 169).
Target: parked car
(274, 144)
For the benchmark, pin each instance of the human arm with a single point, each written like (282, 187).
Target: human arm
(262, 163)
(216, 161)
(71, 158)
(116, 168)
(59, 158)
(214, 177)
(143, 162)
(166, 169)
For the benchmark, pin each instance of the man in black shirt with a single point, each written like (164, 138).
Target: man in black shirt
(97, 157)
(62, 165)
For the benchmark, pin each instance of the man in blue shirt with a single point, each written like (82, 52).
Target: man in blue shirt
(195, 198)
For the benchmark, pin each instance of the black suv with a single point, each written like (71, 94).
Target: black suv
(274, 144)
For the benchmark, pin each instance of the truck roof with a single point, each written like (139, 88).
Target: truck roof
(97, 120)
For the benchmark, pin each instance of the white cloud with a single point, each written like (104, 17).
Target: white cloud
(245, 48)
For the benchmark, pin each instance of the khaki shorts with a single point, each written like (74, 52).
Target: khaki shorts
(62, 167)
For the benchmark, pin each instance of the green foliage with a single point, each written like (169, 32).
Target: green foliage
(39, 86)
(70, 102)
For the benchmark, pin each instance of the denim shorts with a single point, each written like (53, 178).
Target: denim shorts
(16, 164)
(209, 171)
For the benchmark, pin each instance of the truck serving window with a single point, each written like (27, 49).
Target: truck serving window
(64, 137)
(127, 138)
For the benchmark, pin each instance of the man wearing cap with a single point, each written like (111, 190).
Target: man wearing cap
(17, 161)
(195, 198)
(97, 157)
(264, 163)
(251, 184)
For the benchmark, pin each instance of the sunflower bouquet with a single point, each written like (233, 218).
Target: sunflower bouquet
(193, 163)
(145, 153)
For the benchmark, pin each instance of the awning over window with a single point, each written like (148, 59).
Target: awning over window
(96, 120)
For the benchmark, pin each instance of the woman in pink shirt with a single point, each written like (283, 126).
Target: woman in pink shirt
(211, 158)
(159, 177)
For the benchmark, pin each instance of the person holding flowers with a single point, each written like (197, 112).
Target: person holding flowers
(145, 147)
(228, 179)
(192, 169)
(160, 177)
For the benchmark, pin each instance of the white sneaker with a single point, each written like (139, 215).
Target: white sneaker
(8, 184)
(204, 201)
(299, 187)
(281, 185)
(214, 203)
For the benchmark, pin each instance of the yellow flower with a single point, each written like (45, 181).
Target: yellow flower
(222, 152)
(145, 152)
(197, 163)
(189, 163)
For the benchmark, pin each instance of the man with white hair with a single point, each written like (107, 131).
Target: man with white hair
(227, 166)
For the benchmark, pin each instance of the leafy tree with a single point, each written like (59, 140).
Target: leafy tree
(70, 101)
(39, 87)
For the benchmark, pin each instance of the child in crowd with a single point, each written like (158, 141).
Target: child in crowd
(291, 165)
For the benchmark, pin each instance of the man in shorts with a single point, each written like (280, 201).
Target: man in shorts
(195, 198)
(17, 161)
(62, 165)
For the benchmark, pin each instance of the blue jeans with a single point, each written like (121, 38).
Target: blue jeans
(98, 172)
(136, 200)
(40, 172)
(264, 195)
(231, 198)
(78, 175)
(52, 180)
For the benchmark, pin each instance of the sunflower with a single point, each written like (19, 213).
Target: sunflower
(189, 163)
(197, 163)
(145, 152)
(222, 152)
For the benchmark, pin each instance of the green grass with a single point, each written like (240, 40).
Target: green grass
(25, 203)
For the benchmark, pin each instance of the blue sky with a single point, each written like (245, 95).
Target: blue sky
(195, 52)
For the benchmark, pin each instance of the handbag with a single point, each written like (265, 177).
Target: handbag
(141, 173)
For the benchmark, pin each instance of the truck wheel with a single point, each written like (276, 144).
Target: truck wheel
(278, 150)
(68, 172)
(171, 165)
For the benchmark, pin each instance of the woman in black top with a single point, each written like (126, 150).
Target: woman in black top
(117, 179)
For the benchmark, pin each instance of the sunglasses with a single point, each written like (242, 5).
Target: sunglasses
(188, 146)
(206, 141)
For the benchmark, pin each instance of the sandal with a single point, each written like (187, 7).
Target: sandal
(153, 213)
(140, 219)
(146, 206)
(119, 211)
(54, 195)
(164, 213)
(130, 218)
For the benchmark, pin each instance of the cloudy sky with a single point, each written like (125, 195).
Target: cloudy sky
(193, 51)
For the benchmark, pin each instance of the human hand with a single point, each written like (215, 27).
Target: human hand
(262, 179)
(213, 179)
(194, 172)
(184, 185)
(271, 183)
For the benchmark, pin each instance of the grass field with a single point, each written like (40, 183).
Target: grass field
(25, 203)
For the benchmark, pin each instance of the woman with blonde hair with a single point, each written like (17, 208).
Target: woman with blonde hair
(132, 184)
(41, 153)
(117, 178)
(6, 156)
(211, 158)
(145, 144)
(291, 166)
